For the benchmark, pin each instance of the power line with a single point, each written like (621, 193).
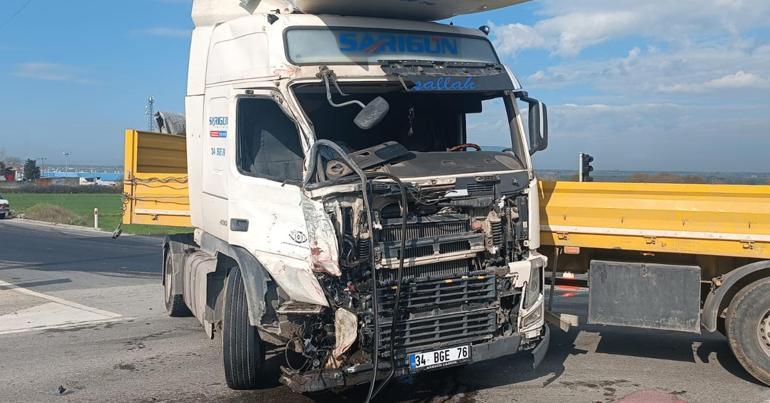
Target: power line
(16, 14)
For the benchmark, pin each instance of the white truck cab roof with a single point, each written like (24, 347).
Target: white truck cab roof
(255, 48)
(211, 12)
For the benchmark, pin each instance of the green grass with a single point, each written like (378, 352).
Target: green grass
(83, 205)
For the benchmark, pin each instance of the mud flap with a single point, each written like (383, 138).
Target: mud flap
(539, 352)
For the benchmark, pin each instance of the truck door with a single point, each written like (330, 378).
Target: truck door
(215, 156)
(265, 198)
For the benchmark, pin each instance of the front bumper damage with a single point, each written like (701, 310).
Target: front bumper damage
(315, 381)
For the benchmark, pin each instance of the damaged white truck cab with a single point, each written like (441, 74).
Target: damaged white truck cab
(349, 203)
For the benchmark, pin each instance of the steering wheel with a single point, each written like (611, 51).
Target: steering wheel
(465, 147)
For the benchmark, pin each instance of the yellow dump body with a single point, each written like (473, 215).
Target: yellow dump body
(715, 220)
(155, 186)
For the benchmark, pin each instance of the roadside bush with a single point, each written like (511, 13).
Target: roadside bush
(54, 214)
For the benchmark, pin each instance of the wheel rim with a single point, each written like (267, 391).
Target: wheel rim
(763, 333)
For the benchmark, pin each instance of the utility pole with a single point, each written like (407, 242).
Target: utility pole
(42, 164)
(66, 161)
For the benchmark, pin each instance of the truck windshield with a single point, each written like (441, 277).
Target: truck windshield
(321, 45)
(423, 122)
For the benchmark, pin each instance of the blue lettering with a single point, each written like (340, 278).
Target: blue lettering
(449, 45)
(377, 43)
(366, 43)
(347, 41)
(432, 45)
(413, 44)
(389, 43)
(445, 84)
(218, 121)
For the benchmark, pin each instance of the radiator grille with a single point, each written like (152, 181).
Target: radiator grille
(473, 288)
(440, 312)
(438, 331)
(424, 227)
(428, 271)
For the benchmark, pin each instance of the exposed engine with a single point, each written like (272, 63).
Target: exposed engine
(455, 285)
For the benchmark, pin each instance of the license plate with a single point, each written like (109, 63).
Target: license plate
(439, 358)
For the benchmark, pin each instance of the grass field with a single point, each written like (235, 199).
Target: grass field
(83, 205)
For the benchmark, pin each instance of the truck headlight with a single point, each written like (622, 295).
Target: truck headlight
(534, 287)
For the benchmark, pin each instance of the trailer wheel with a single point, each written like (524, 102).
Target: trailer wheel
(243, 350)
(175, 305)
(748, 329)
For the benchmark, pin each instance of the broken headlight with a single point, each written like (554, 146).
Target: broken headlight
(534, 287)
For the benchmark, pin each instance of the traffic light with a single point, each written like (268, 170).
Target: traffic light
(585, 168)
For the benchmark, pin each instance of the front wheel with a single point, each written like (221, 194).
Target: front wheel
(748, 329)
(2, 216)
(243, 350)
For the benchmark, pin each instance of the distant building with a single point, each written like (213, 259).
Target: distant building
(87, 178)
(57, 181)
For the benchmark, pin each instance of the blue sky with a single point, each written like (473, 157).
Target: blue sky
(640, 85)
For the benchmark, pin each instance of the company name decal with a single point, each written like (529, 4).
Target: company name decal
(218, 133)
(218, 121)
(445, 84)
(376, 43)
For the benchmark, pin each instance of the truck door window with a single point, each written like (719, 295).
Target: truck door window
(489, 128)
(268, 144)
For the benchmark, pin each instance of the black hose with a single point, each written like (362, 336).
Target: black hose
(312, 154)
(399, 277)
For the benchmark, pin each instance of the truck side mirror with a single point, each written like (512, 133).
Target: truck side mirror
(372, 114)
(538, 126)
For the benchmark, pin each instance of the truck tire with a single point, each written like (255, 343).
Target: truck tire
(175, 305)
(2, 216)
(243, 350)
(748, 329)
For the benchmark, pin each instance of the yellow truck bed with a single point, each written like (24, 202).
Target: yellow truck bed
(718, 220)
(155, 175)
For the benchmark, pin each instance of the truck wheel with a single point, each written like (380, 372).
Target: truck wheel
(244, 351)
(748, 329)
(175, 305)
(2, 216)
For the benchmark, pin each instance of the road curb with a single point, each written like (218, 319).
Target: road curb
(63, 226)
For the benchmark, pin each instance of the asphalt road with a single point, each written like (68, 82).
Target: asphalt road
(83, 311)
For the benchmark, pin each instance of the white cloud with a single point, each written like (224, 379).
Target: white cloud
(642, 73)
(737, 80)
(49, 72)
(166, 32)
(568, 27)
(688, 92)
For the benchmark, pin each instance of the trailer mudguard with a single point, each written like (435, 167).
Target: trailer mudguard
(254, 274)
(714, 299)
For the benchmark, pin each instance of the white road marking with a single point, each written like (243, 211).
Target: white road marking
(51, 313)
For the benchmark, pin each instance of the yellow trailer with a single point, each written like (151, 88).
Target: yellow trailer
(666, 256)
(717, 220)
(155, 180)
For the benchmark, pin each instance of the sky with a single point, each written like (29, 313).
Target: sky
(640, 85)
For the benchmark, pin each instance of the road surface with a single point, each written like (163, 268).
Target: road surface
(83, 311)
